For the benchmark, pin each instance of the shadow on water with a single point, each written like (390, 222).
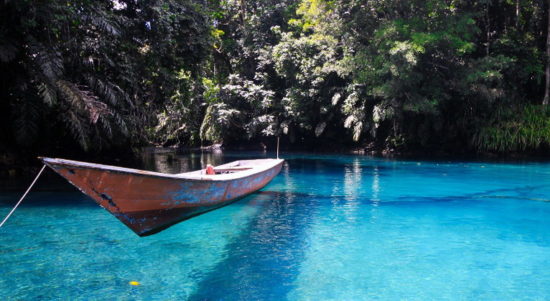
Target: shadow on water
(263, 260)
(518, 193)
(280, 228)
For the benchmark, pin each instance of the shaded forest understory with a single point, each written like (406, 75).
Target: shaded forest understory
(95, 78)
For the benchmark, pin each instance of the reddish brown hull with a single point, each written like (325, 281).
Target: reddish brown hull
(149, 202)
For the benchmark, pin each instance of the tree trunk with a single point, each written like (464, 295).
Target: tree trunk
(547, 86)
(517, 14)
(487, 30)
(242, 11)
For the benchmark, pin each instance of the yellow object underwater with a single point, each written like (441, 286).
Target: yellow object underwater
(134, 283)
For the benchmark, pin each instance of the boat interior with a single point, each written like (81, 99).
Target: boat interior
(232, 167)
(226, 171)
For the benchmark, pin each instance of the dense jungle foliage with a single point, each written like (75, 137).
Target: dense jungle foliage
(424, 75)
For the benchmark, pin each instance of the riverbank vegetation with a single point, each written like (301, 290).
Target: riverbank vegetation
(426, 76)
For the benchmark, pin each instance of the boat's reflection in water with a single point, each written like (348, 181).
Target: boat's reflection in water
(170, 161)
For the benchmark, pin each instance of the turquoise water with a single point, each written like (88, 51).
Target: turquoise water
(326, 228)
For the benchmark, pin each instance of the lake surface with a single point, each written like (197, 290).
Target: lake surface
(326, 228)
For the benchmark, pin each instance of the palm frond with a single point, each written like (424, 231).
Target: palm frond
(121, 124)
(103, 89)
(7, 52)
(102, 22)
(49, 61)
(83, 100)
(47, 93)
(78, 129)
(106, 125)
(27, 114)
(108, 91)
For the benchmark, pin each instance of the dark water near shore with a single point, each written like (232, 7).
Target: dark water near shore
(329, 227)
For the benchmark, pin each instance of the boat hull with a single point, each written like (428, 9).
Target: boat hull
(149, 202)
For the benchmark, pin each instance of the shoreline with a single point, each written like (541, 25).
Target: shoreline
(22, 167)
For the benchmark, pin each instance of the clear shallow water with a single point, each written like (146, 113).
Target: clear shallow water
(326, 228)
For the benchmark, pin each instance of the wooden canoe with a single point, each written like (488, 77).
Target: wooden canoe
(148, 202)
